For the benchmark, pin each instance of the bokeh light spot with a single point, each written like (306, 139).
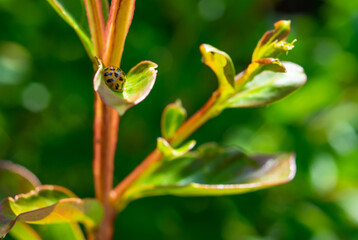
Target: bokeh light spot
(211, 9)
(323, 173)
(14, 63)
(35, 97)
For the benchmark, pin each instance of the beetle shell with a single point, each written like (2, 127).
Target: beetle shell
(115, 78)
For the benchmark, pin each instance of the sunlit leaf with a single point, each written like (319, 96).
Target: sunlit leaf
(22, 231)
(64, 13)
(221, 64)
(213, 170)
(59, 231)
(173, 117)
(169, 152)
(273, 43)
(268, 87)
(140, 81)
(15, 179)
(48, 204)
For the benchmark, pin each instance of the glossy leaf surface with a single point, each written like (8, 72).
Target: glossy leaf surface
(213, 170)
(140, 81)
(269, 86)
(173, 117)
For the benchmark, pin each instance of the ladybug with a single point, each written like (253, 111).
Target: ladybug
(115, 78)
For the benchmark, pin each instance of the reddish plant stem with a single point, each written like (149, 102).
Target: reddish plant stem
(105, 141)
(106, 118)
(191, 125)
(208, 111)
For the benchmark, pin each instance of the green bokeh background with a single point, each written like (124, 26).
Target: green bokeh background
(46, 112)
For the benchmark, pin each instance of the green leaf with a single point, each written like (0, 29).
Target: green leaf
(48, 204)
(22, 231)
(273, 43)
(140, 81)
(15, 179)
(221, 64)
(173, 117)
(59, 231)
(64, 13)
(169, 152)
(211, 171)
(268, 87)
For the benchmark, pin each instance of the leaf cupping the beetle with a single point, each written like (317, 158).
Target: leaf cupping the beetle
(139, 83)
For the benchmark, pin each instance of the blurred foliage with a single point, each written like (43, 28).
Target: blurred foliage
(46, 112)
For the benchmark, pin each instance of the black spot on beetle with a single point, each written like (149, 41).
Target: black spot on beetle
(121, 79)
(108, 74)
(110, 80)
(117, 86)
(106, 69)
(116, 74)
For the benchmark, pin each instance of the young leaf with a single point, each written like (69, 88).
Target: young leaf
(58, 231)
(273, 43)
(140, 81)
(48, 204)
(169, 152)
(213, 170)
(22, 231)
(222, 66)
(63, 12)
(15, 179)
(173, 117)
(268, 87)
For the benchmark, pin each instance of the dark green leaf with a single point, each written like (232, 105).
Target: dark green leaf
(212, 170)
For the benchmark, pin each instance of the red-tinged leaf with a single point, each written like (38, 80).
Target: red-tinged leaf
(48, 204)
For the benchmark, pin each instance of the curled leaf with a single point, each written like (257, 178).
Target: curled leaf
(173, 117)
(169, 152)
(140, 81)
(48, 204)
(221, 64)
(15, 179)
(273, 43)
(268, 87)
